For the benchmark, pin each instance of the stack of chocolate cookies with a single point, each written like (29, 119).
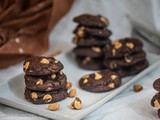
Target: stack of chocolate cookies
(45, 82)
(91, 36)
(155, 102)
(125, 56)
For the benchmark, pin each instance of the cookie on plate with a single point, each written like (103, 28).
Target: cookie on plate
(97, 21)
(37, 97)
(126, 61)
(46, 83)
(94, 51)
(90, 41)
(132, 70)
(155, 102)
(41, 66)
(102, 81)
(90, 63)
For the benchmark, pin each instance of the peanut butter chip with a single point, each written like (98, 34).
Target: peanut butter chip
(61, 72)
(113, 52)
(111, 85)
(96, 49)
(44, 61)
(30, 71)
(156, 104)
(76, 104)
(68, 85)
(86, 76)
(47, 98)
(130, 45)
(98, 76)
(53, 76)
(117, 44)
(113, 77)
(104, 20)
(56, 61)
(72, 93)
(53, 107)
(80, 32)
(39, 82)
(85, 81)
(86, 60)
(127, 60)
(26, 65)
(34, 95)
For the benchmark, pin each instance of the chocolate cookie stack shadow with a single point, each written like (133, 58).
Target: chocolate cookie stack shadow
(91, 36)
(126, 56)
(45, 82)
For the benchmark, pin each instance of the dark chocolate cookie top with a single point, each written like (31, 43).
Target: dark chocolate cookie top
(91, 41)
(123, 47)
(91, 20)
(82, 31)
(100, 81)
(41, 66)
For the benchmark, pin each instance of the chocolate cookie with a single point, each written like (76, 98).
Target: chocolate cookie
(156, 85)
(123, 47)
(132, 70)
(94, 51)
(46, 83)
(155, 102)
(90, 63)
(45, 97)
(126, 61)
(102, 81)
(91, 41)
(91, 20)
(82, 31)
(41, 66)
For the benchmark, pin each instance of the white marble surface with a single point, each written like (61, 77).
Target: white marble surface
(128, 105)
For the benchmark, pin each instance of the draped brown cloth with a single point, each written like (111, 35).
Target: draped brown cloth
(25, 26)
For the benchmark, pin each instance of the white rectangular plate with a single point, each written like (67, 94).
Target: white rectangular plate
(12, 91)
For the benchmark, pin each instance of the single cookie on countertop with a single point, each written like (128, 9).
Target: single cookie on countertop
(51, 82)
(126, 61)
(91, 41)
(91, 20)
(156, 85)
(94, 51)
(123, 47)
(37, 97)
(41, 66)
(102, 81)
(82, 31)
(90, 63)
(132, 70)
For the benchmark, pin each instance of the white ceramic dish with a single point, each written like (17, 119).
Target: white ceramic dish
(11, 92)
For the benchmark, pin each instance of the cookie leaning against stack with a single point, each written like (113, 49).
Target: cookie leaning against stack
(91, 35)
(155, 102)
(45, 82)
(126, 56)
